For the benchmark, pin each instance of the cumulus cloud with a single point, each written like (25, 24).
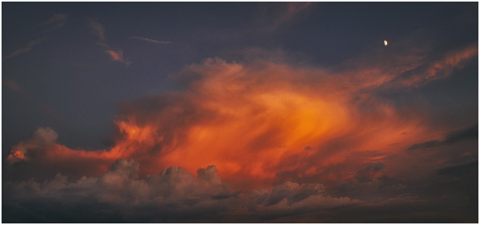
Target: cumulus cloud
(176, 195)
(40, 138)
(122, 192)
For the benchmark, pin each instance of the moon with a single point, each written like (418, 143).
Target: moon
(385, 42)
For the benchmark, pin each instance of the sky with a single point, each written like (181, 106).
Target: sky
(239, 112)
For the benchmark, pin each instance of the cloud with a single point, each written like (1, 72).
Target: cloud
(438, 69)
(118, 56)
(97, 29)
(253, 120)
(40, 138)
(450, 138)
(151, 40)
(459, 169)
(14, 86)
(269, 104)
(174, 193)
(25, 49)
(293, 8)
(271, 18)
(57, 19)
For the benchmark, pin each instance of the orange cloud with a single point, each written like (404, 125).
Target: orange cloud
(261, 123)
(118, 56)
(115, 56)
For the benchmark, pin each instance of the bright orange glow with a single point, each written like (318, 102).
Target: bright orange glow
(262, 122)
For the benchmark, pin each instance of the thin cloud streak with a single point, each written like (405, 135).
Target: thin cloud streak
(450, 138)
(25, 49)
(293, 9)
(151, 40)
(117, 55)
(58, 19)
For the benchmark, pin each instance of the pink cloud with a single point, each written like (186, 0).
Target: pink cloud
(118, 56)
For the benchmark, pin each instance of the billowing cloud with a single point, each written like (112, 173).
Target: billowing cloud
(230, 113)
(185, 195)
(47, 109)
(286, 140)
(176, 195)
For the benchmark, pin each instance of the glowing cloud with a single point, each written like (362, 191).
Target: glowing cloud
(259, 123)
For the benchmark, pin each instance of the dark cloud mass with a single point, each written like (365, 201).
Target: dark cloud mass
(450, 138)
(240, 112)
(175, 195)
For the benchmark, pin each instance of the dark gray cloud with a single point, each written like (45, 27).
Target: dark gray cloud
(450, 138)
(459, 169)
(175, 195)
(120, 195)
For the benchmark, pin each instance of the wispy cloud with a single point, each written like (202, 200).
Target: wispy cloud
(151, 40)
(117, 55)
(14, 86)
(98, 29)
(45, 108)
(57, 19)
(293, 8)
(27, 48)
